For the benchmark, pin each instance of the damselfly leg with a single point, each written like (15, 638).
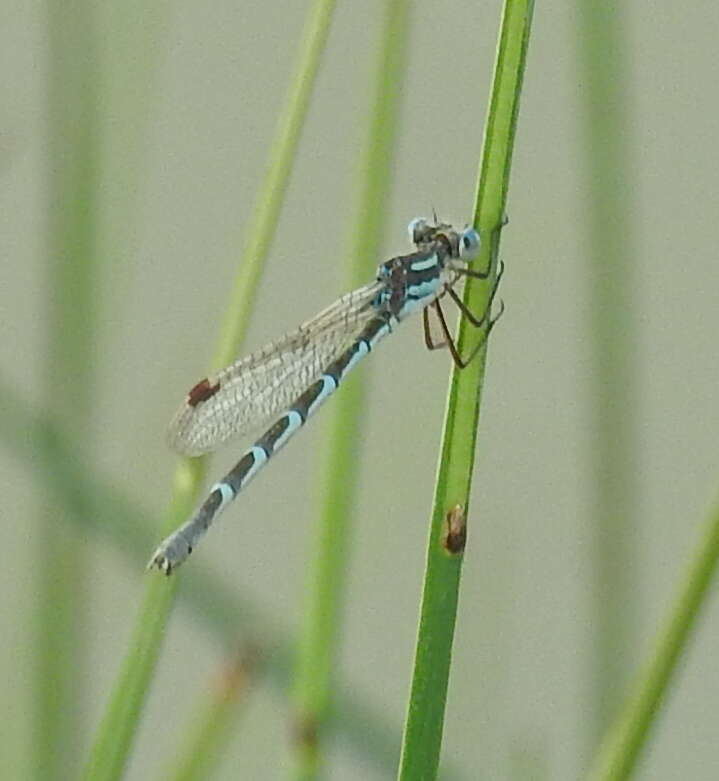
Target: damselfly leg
(478, 322)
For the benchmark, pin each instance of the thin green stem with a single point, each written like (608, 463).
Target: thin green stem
(213, 728)
(425, 716)
(263, 224)
(620, 751)
(110, 751)
(603, 53)
(60, 610)
(320, 637)
(112, 746)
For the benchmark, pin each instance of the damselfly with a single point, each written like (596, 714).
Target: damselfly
(299, 371)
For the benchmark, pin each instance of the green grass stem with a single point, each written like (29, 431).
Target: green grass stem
(619, 753)
(263, 224)
(603, 52)
(111, 749)
(425, 716)
(212, 729)
(60, 610)
(319, 640)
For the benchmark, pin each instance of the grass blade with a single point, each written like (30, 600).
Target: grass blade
(213, 730)
(262, 226)
(603, 56)
(320, 635)
(425, 716)
(60, 611)
(619, 753)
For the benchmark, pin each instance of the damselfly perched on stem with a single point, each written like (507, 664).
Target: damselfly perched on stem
(299, 371)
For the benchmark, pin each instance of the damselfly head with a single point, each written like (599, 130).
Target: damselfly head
(469, 243)
(421, 231)
(418, 230)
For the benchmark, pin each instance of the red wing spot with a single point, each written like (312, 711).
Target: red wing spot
(201, 392)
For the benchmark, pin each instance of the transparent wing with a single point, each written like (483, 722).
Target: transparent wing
(253, 389)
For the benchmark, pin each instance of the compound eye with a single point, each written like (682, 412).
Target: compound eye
(469, 243)
(417, 229)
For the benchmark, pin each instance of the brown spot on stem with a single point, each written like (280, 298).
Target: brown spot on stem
(454, 533)
(236, 676)
(305, 732)
(201, 392)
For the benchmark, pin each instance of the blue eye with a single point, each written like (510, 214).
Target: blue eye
(416, 229)
(469, 243)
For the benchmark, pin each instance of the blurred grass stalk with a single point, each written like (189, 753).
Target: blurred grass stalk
(425, 716)
(216, 715)
(319, 640)
(61, 560)
(605, 111)
(111, 749)
(619, 753)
